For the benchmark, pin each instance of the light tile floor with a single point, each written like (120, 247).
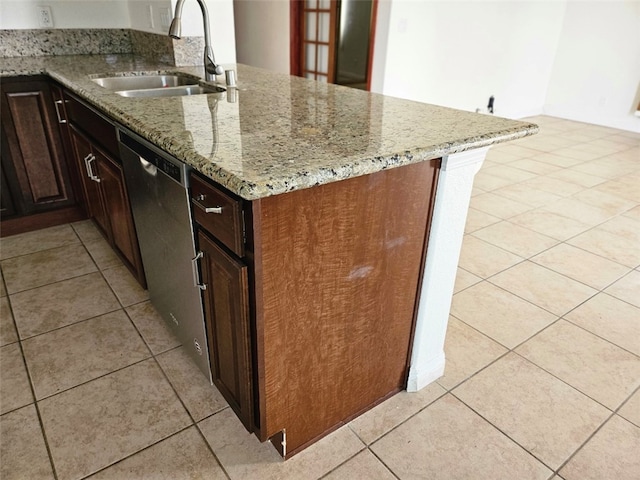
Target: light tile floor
(543, 348)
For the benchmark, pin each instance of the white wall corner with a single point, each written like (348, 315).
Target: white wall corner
(453, 195)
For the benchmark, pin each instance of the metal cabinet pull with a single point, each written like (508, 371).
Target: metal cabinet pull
(57, 104)
(93, 177)
(194, 267)
(196, 201)
(86, 165)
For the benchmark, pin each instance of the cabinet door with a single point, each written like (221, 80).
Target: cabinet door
(39, 172)
(116, 201)
(227, 318)
(86, 161)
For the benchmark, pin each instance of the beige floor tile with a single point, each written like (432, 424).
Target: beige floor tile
(543, 414)
(611, 453)
(244, 457)
(15, 390)
(498, 206)
(498, 156)
(96, 424)
(554, 185)
(7, 327)
(198, 395)
(126, 288)
(391, 413)
(102, 253)
(489, 182)
(464, 280)
(619, 137)
(363, 466)
(542, 287)
(631, 409)
(72, 355)
(87, 231)
(483, 259)
(514, 175)
(608, 146)
(578, 153)
(623, 226)
(559, 161)
(447, 440)
(574, 175)
(627, 288)
(623, 250)
(45, 267)
(152, 327)
(37, 241)
(621, 189)
(515, 239)
(184, 456)
(498, 314)
(599, 369)
(633, 213)
(551, 224)
(580, 265)
(612, 204)
(518, 151)
(579, 211)
(23, 454)
(610, 318)
(477, 220)
(601, 168)
(533, 166)
(527, 194)
(63, 303)
(466, 351)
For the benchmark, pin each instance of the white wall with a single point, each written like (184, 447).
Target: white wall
(22, 14)
(262, 33)
(596, 74)
(458, 53)
(222, 28)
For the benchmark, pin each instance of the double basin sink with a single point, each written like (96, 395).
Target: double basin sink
(161, 85)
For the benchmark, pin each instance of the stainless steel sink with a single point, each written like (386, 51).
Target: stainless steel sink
(171, 91)
(138, 82)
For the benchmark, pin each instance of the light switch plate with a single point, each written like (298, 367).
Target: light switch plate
(45, 19)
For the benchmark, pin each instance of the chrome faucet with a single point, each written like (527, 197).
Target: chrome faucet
(211, 69)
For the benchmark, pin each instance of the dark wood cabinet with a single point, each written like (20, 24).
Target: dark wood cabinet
(37, 177)
(103, 185)
(226, 305)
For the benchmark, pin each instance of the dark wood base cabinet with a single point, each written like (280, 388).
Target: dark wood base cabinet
(36, 177)
(330, 277)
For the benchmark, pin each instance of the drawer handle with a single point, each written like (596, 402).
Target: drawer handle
(90, 158)
(194, 266)
(199, 198)
(57, 104)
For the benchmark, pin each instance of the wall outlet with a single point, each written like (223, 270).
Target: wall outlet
(45, 19)
(150, 13)
(165, 17)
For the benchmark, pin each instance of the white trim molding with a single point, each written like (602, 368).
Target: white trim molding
(445, 241)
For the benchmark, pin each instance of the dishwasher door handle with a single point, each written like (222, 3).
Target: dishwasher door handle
(194, 266)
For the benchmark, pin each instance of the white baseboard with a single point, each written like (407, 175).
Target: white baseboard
(425, 374)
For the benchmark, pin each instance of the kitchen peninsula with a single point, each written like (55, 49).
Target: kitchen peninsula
(352, 210)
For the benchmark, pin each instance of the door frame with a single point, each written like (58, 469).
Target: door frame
(296, 35)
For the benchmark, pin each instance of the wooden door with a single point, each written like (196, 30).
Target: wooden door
(117, 206)
(226, 305)
(85, 159)
(38, 170)
(313, 30)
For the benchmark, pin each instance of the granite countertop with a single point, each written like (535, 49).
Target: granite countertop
(282, 133)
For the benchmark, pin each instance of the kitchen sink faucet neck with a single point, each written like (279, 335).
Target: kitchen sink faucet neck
(175, 31)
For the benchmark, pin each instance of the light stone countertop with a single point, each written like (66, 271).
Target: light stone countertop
(282, 133)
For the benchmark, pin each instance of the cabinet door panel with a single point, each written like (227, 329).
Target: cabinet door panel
(36, 148)
(227, 318)
(117, 206)
(93, 199)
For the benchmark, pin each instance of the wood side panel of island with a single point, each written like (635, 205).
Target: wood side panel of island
(337, 271)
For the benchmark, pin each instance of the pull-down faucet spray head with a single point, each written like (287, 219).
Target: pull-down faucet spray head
(211, 68)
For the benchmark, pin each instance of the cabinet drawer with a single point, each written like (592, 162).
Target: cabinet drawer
(101, 130)
(224, 219)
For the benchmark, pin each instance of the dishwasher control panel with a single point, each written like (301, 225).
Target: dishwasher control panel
(144, 152)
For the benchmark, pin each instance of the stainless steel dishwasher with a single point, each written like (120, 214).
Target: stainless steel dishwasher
(158, 189)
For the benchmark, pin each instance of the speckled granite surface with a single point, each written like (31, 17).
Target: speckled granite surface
(68, 41)
(282, 133)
